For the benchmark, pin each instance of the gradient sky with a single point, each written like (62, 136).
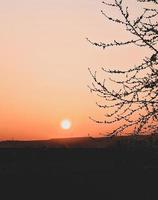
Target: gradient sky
(44, 60)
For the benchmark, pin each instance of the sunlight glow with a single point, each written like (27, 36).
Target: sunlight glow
(66, 124)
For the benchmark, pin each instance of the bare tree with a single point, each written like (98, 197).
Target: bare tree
(133, 106)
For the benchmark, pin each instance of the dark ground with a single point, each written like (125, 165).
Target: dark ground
(125, 169)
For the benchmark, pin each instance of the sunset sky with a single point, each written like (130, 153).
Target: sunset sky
(44, 60)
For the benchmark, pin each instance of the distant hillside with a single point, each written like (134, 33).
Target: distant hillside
(87, 142)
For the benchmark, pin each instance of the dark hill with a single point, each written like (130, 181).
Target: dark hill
(100, 168)
(87, 142)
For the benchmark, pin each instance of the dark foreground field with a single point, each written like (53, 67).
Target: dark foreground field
(126, 168)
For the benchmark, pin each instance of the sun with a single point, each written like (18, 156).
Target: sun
(66, 124)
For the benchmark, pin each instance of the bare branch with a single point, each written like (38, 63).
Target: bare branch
(134, 104)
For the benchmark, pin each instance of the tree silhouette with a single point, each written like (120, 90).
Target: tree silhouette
(131, 106)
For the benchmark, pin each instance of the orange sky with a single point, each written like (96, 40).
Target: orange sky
(44, 62)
